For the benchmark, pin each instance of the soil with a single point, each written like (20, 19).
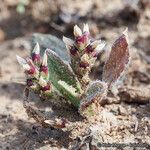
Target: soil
(126, 120)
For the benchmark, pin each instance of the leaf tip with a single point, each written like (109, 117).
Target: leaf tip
(86, 28)
(77, 31)
(21, 60)
(44, 62)
(125, 33)
(36, 49)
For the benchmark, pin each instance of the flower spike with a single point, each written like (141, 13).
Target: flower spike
(83, 52)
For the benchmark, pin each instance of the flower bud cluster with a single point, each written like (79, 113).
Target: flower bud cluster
(83, 50)
(36, 70)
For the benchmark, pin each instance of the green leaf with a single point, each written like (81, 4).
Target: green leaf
(96, 91)
(63, 78)
(69, 92)
(49, 41)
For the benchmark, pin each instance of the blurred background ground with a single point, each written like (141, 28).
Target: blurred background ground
(19, 19)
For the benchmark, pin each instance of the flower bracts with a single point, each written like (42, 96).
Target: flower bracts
(36, 71)
(83, 52)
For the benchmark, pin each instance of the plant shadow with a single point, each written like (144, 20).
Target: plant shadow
(55, 108)
(12, 90)
(20, 134)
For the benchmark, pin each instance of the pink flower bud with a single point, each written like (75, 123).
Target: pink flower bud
(73, 50)
(36, 54)
(95, 48)
(31, 71)
(84, 64)
(28, 66)
(95, 54)
(35, 57)
(46, 88)
(44, 69)
(83, 40)
(30, 82)
(89, 49)
(70, 46)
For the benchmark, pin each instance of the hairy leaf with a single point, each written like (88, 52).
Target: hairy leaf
(49, 41)
(117, 61)
(68, 92)
(95, 92)
(61, 71)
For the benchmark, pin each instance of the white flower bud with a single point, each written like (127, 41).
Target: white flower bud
(95, 43)
(44, 61)
(26, 67)
(77, 31)
(23, 62)
(36, 49)
(85, 57)
(100, 46)
(42, 82)
(68, 41)
(86, 28)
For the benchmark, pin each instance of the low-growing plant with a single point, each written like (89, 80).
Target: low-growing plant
(55, 70)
